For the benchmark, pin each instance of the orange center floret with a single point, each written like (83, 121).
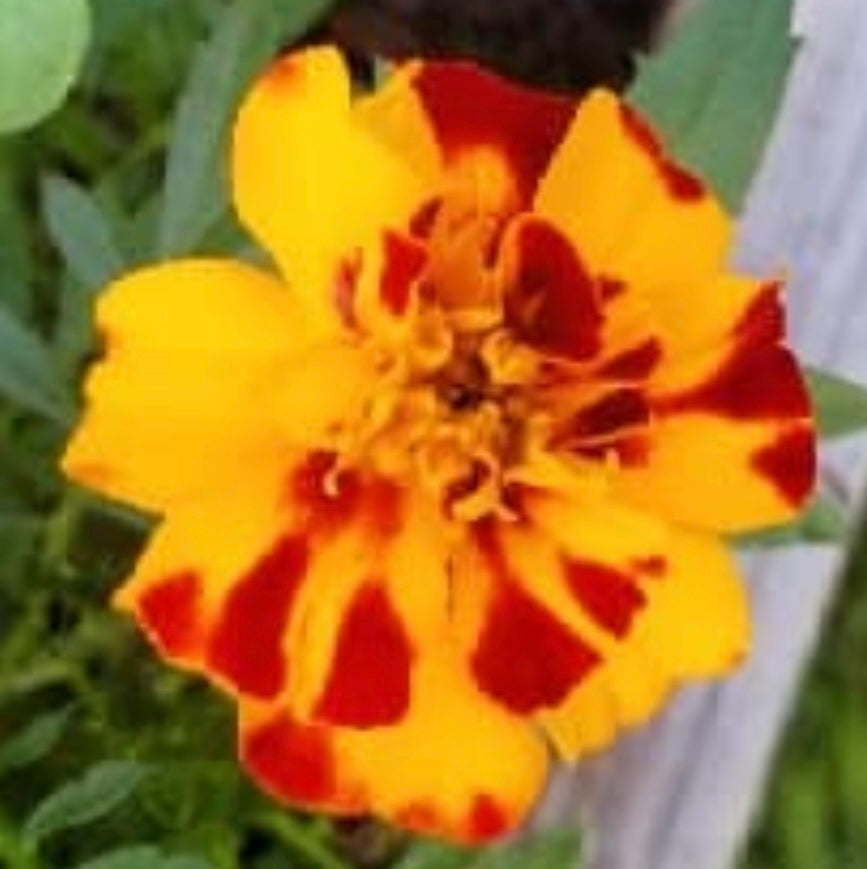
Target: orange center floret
(498, 357)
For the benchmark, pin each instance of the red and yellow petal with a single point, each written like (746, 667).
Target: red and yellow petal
(695, 625)
(456, 766)
(741, 409)
(541, 602)
(635, 214)
(177, 406)
(458, 118)
(551, 301)
(311, 183)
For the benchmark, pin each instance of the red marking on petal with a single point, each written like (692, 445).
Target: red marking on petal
(421, 224)
(488, 820)
(635, 364)
(346, 288)
(465, 486)
(312, 489)
(764, 320)
(469, 107)
(292, 761)
(381, 508)
(551, 302)
(630, 452)
(370, 676)
(525, 658)
(617, 410)
(680, 183)
(170, 610)
(609, 596)
(790, 464)
(247, 645)
(653, 566)
(405, 259)
(421, 817)
(610, 288)
(286, 75)
(757, 381)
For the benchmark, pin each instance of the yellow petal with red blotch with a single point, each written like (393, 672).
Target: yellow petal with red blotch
(537, 608)
(635, 214)
(456, 766)
(461, 118)
(731, 446)
(311, 183)
(695, 625)
(178, 401)
(229, 586)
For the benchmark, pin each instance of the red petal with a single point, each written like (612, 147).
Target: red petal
(292, 761)
(551, 302)
(525, 658)
(370, 676)
(757, 381)
(609, 596)
(247, 645)
(524, 125)
(170, 610)
(405, 259)
(790, 464)
(634, 364)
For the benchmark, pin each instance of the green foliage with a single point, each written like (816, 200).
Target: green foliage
(42, 46)
(552, 849)
(814, 815)
(839, 404)
(715, 90)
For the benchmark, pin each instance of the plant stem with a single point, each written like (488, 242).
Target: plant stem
(299, 838)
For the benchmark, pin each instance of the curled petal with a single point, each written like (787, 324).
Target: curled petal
(310, 182)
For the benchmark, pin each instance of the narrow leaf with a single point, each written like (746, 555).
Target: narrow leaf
(42, 45)
(27, 375)
(96, 793)
(81, 231)
(839, 404)
(715, 88)
(194, 185)
(143, 857)
(35, 741)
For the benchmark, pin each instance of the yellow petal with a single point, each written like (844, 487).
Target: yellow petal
(176, 404)
(310, 182)
(635, 214)
(696, 625)
(456, 766)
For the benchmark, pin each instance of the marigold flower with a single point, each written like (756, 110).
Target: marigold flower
(455, 488)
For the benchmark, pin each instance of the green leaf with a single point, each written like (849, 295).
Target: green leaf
(42, 45)
(194, 186)
(27, 375)
(91, 796)
(548, 849)
(840, 405)
(435, 855)
(821, 522)
(81, 231)
(143, 857)
(35, 741)
(715, 88)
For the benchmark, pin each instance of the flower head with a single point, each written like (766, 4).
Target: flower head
(453, 484)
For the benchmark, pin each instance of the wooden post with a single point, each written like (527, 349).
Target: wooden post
(681, 793)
